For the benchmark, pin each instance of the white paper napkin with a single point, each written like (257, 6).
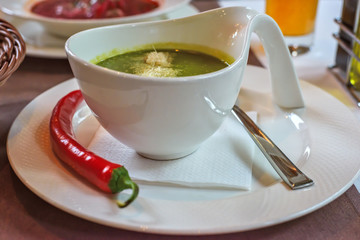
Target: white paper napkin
(222, 161)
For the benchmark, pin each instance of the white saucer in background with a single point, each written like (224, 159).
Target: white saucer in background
(41, 44)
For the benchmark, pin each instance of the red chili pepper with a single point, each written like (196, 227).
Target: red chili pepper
(109, 177)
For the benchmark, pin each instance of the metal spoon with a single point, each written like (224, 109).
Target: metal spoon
(291, 175)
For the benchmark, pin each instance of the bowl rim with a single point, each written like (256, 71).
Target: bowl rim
(168, 80)
(148, 79)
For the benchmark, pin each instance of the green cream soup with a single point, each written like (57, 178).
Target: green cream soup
(167, 62)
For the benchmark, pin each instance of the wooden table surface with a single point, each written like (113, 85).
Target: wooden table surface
(23, 215)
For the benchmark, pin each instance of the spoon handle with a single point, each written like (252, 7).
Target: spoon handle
(291, 175)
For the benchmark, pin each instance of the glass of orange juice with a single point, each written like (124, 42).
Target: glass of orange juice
(296, 19)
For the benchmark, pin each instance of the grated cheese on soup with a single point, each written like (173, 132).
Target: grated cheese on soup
(157, 64)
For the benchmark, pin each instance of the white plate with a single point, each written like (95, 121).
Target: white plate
(322, 139)
(40, 43)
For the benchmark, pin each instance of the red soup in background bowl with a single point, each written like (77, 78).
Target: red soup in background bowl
(21, 10)
(92, 9)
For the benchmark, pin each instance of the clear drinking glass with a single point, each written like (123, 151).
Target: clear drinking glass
(296, 19)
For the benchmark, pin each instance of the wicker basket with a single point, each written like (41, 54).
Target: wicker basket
(12, 50)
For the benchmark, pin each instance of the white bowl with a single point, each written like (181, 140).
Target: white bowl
(166, 118)
(20, 10)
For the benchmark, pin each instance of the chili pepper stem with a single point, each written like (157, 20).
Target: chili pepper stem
(120, 180)
(135, 191)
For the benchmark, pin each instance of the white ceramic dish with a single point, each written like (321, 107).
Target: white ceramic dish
(40, 43)
(168, 118)
(20, 10)
(323, 140)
